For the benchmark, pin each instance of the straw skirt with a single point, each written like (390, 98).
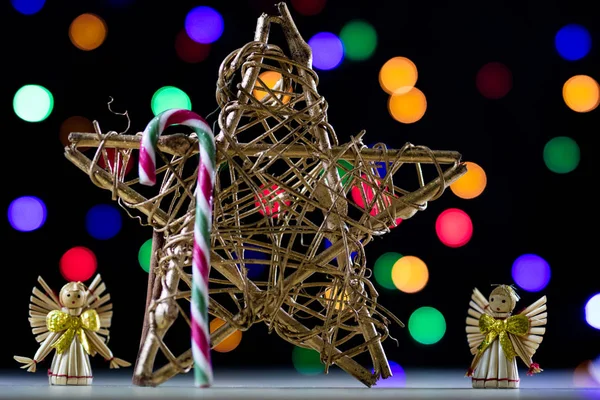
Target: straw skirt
(72, 367)
(494, 370)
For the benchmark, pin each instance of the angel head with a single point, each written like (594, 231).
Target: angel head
(503, 299)
(73, 295)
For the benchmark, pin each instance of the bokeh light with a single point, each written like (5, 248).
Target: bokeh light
(230, 342)
(339, 300)
(309, 7)
(343, 167)
(254, 269)
(74, 124)
(88, 31)
(398, 75)
(382, 270)
(204, 24)
(408, 107)
(454, 227)
(427, 325)
(381, 167)
(307, 361)
(363, 190)
(189, 50)
(328, 50)
(471, 184)
(581, 93)
(561, 155)
(27, 213)
(595, 369)
(272, 80)
(327, 244)
(33, 103)
(573, 42)
(145, 254)
(78, 264)
(410, 274)
(111, 155)
(583, 378)
(28, 7)
(592, 311)
(273, 199)
(103, 221)
(359, 39)
(397, 380)
(494, 80)
(169, 97)
(531, 272)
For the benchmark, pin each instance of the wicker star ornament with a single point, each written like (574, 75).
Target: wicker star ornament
(287, 195)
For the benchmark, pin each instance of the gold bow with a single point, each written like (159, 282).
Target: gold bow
(58, 321)
(500, 328)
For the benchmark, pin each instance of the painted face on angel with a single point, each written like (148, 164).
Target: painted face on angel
(73, 295)
(503, 299)
(500, 303)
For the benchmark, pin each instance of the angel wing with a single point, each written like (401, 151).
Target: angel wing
(526, 346)
(100, 303)
(477, 306)
(41, 303)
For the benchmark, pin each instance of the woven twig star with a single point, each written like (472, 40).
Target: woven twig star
(287, 196)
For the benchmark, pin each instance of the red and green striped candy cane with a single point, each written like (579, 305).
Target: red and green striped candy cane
(204, 195)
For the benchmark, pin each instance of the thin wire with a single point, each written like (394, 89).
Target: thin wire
(126, 114)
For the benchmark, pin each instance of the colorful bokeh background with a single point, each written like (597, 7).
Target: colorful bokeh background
(515, 91)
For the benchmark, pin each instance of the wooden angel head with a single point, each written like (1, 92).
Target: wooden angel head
(73, 295)
(503, 299)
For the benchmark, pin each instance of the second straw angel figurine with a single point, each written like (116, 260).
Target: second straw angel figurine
(74, 324)
(497, 338)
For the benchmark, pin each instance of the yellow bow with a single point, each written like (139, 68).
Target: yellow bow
(58, 321)
(500, 328)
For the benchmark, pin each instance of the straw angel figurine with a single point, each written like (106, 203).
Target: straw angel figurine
(497, 338)
(75, 324)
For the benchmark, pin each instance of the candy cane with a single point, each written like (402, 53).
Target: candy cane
(204, 195)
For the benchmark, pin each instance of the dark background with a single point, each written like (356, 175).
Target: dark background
(524, 209)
